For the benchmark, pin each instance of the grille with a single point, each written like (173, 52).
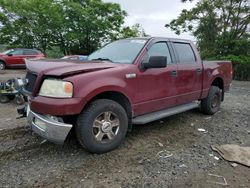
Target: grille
(31, 79)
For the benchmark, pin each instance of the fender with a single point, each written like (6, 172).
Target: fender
(108, 84)
(1, 59)
(216, 73)
(212, 75)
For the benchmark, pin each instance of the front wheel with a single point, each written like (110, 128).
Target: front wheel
(102, 126)
(20, 99)
(211, 104)
(4, 99)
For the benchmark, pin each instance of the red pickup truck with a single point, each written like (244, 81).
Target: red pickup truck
(130, 81)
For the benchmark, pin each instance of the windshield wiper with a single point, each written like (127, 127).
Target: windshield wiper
(103, 59)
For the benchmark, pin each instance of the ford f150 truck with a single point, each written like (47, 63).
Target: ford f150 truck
(130, 81)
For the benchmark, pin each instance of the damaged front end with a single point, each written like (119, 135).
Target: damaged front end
(51, 128)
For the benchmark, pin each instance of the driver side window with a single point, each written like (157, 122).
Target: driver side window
(158, 49)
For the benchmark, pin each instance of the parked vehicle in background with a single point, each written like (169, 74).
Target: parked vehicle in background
(76, 57)
(16, 57)
(130, 81)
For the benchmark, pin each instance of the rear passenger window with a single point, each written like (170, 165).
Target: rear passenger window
(185, 53)
(159, 49)
(30, 52)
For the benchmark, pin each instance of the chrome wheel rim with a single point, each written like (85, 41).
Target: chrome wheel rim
(215, 101)
(1, 66)
(106, 127)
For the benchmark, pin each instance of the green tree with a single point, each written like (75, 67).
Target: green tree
(221, 27)
(91, 23)
(135, 30)
(73, 25)
(29, 23)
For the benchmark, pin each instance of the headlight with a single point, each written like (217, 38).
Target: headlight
(56, 88)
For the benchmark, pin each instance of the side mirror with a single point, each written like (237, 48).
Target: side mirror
(156, 62)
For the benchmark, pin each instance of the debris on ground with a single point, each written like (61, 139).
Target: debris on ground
(234, 153)
(234, 164)
(160, 144)
(164, 154)
(216, 158)
(44, 141)
(202, 130)
(141, 161)
(220, 180)
(183, 166)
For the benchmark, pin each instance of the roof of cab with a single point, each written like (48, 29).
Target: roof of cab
(161, 38)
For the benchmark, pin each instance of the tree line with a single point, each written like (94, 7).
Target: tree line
(221, 27)
(222, 30)
(74, 26)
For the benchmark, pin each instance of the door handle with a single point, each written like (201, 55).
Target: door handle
(174, 73)
(198, 71)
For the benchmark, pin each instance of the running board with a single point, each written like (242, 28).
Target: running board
(143, 119)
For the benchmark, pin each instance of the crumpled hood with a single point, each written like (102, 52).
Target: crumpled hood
(66, 67)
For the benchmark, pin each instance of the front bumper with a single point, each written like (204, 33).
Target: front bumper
(57, 106)
(48, 128)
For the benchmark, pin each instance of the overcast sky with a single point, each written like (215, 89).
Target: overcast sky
(153, 15)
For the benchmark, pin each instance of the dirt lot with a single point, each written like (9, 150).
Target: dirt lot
(25, 160)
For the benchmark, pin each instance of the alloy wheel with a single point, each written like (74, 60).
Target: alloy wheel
(106, 127)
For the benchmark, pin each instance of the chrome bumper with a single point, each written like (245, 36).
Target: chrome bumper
(48, 128)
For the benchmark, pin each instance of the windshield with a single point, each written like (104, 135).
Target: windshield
(8, 51)
(121, 51)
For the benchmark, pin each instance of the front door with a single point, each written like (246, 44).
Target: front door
(16, 58)
(156, 86)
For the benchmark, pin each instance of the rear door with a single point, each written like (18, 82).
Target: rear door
(30, 54)
(157, 86)
(189, 75)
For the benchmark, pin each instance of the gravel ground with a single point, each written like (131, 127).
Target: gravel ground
(25, 160)
(11, 73)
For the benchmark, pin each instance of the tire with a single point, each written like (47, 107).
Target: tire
(11, 97)
(211, 104)
(4, 99)
(2, 65)
(102, 126)
(19, 100)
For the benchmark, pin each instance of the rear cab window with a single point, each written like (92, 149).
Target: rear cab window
(185, 53)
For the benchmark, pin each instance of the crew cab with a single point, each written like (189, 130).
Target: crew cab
(130, 81)
(16, 57)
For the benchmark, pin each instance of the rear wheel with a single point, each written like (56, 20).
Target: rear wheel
(2, 65)
(4, 99)
(211, 104)
(11, 97)
(102, 126)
